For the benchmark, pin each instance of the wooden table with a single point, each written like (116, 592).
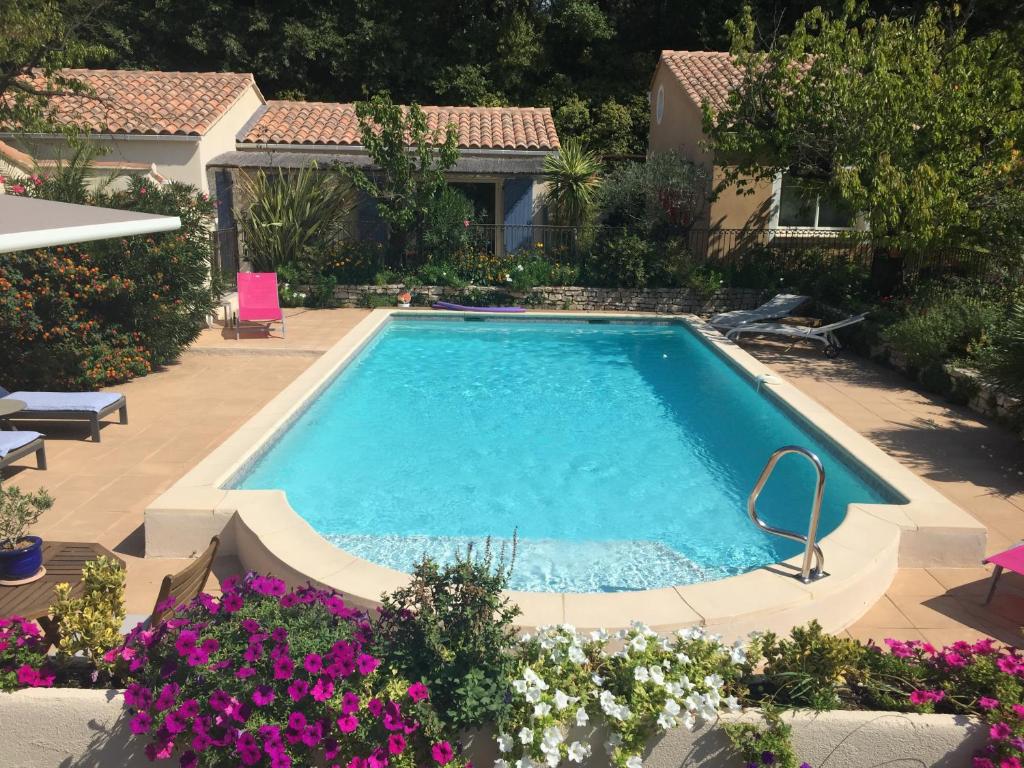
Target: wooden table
(63, 561)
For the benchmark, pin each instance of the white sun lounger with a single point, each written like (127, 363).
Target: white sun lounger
(778, 306)
(16, 445)
(69, 406)
(824, 334)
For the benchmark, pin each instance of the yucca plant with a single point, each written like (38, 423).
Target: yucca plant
(1005, 362)
(293, 217)
(573, 177)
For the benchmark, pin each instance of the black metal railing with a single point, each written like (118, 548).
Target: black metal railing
(768, 250)
(225, 256)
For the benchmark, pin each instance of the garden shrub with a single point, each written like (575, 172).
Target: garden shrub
(943, 325)
(355, 262)
(264, 676)
(625, 260)
(446, 224)
(439, 273)
(763, 746)
(656, 199)
(90, 625)
(808, 669)
(1004, 361)
(104, 312)
(451, 628)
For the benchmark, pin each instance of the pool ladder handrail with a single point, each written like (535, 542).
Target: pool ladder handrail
(811, 549)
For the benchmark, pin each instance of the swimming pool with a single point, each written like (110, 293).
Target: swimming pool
(621, 452)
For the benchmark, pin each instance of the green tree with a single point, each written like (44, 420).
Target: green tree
(40, 37)
(410, 163)
(573, 178)
(906, 120)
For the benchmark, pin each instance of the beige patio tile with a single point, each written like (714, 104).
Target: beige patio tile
(884, 614)
(915, 581)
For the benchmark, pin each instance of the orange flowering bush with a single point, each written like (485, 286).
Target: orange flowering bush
(100, 313)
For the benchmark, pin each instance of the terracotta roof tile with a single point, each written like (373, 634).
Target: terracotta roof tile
(139, 102)
(706, 76)
(327, 123)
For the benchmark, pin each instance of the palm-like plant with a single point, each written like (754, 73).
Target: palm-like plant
(74, 179)
(573, 178)
(1005, 363)
(293, 217)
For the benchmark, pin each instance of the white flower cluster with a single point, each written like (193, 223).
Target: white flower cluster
(570, 680)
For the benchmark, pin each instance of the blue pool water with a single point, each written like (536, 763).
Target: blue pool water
(621, 453)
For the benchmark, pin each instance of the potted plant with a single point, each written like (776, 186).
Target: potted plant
(404, 299)
(21, 555)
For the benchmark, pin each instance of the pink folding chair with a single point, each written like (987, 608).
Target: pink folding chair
(1011, 559)
(258, 300)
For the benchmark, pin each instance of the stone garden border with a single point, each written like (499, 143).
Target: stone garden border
(862, 554)
(81, 728)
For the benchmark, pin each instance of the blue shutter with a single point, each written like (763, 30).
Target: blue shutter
(518, 213)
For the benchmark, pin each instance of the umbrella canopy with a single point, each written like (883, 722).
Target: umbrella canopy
(29, 223)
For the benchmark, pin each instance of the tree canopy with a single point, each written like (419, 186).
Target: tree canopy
(39, 38)
(590, 60)
(909, 121)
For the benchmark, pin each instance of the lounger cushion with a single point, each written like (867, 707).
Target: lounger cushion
(779, 305)
(11, 441)
(86, 402)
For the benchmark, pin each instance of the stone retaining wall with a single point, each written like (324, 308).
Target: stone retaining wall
(75, 728)
(668, 300)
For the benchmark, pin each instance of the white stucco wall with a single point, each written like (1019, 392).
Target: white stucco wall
(221, 136)
(176, 158)
(46, 728)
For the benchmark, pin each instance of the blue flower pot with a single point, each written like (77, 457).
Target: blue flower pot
(17, 564)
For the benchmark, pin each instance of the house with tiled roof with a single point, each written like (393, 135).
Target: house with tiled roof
(501, 156)
(207, 128)
(684, 82)
(172, 123)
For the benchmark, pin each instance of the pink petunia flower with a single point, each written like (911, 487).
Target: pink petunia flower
(442, 753)
(263, 696)
(323, 689)
(396, 744)
(1000, 731)
(298, 690)
(418, 692)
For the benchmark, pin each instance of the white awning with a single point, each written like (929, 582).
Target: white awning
(29, 223)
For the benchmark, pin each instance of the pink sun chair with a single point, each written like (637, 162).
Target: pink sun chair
(1011, 560)
(258, 300)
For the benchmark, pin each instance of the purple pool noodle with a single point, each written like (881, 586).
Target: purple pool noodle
(460, 308)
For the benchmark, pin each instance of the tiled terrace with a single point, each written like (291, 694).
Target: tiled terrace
(180, 413)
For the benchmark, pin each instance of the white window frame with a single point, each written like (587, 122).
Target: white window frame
(777, 206)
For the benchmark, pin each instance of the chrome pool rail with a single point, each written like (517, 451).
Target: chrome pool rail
(811, 549)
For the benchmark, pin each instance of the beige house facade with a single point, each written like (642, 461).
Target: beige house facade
(682, 84)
